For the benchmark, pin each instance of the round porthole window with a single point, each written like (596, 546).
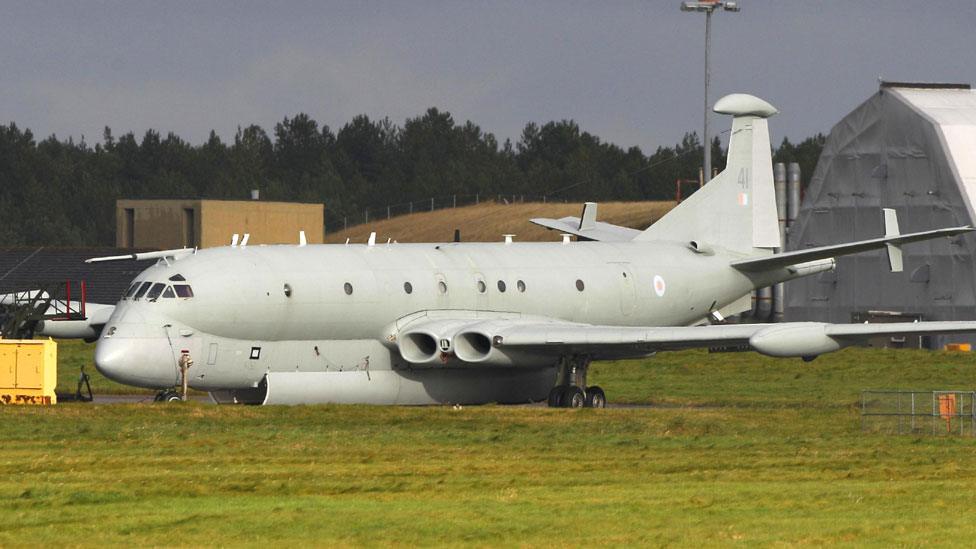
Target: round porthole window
(348, 288)
(442, 286)
(520, 285)
(287, 290)
(482, 287)
(579, 285)
(501, 286)
(408, 287)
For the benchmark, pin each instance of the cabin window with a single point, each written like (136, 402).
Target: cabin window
(155, 291)
(520, 285)
(408, 287)
(287, 290)
(132, 289)
(348, 288)
(482, 287)
(142, 290)
(579, 285)
(442, 286)
(177, 278)
(168, 293)
(501, 286)
(183, 290)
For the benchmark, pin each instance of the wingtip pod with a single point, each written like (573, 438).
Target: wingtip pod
(743, 104)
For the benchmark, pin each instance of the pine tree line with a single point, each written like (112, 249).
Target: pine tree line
(62, 193)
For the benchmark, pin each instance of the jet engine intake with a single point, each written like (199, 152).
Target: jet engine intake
(475, 346)
(465, 342)
(418, 347)
(472, 346)
(430, 342)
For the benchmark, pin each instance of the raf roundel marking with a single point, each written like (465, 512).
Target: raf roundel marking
(659, 286)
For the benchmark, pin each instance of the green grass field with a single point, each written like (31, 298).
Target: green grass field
(744, 450)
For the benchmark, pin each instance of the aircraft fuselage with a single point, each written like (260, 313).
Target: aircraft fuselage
(336, 308)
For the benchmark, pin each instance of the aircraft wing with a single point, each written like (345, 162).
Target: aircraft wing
(786, 259)
(525, 341)
(782, 339)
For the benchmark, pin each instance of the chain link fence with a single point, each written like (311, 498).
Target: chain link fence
(919, 412)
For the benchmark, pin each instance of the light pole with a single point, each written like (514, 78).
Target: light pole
(708, 6)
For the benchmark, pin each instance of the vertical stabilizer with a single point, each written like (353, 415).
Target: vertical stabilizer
(737, 209)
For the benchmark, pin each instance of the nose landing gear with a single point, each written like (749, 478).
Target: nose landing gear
(172, 395)
(571, 390)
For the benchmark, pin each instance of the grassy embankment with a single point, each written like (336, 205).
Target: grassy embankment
(487, 222)
(761, 452)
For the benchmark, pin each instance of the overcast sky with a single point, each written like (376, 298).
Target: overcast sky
(628, 71)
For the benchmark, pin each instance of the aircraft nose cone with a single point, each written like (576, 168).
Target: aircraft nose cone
(142, 362)
(110, 360)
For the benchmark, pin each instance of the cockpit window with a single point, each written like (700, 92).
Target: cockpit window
(142, 290)
(132, 289)
(183, 290)
(177, 278)
(156, 289)
(168, 292)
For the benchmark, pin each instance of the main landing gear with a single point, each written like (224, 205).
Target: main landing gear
(169, 395)
(571, 390)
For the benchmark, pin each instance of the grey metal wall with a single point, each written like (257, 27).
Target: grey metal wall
(885, 154)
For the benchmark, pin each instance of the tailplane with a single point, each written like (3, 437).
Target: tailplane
(737, 209)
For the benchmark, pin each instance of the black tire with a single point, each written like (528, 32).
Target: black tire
(555, 399)
(596, 398)
(168, 396)
(573, 398)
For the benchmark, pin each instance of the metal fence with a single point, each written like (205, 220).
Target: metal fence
(919, 412)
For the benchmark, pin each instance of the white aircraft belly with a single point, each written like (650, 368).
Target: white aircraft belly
(410, 387)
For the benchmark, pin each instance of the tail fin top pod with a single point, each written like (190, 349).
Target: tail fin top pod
(737, 209)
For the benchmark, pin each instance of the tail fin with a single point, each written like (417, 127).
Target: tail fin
(737, 209)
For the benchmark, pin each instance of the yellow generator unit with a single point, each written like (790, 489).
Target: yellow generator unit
(28, 371)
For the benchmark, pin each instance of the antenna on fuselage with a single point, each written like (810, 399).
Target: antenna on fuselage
(372, 239)
(302, 241)
(247, 236)
(233, 240)
(508, 238)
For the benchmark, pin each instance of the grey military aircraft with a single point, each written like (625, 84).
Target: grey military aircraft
(505, 322)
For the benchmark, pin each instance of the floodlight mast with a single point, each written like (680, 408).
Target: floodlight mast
(707, 7)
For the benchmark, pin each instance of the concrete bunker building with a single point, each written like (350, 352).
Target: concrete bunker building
(169, 224)
(911, 147)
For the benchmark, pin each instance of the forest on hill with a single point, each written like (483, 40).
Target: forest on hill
(57, 192)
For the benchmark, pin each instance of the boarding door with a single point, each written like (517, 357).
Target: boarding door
(625, 282)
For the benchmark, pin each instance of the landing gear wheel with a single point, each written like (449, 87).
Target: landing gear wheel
(595, 398)
(555, 399)
(573, 397)
(168, 395)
